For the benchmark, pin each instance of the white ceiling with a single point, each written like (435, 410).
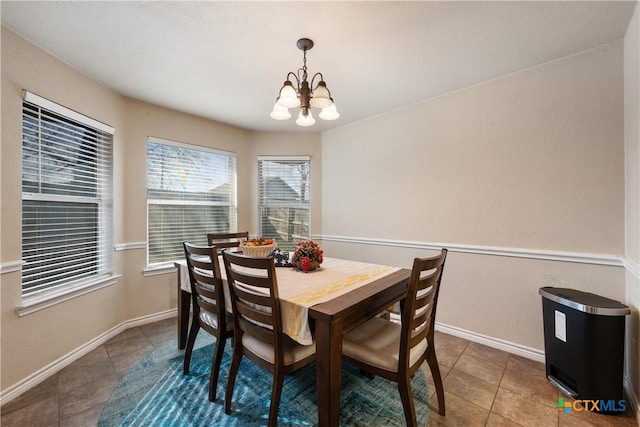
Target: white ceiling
(227, 60)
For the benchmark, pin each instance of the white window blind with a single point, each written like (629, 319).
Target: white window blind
(283, 199)
(191, 191)
(66, 196)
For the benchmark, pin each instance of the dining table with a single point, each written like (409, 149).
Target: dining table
(335, 298)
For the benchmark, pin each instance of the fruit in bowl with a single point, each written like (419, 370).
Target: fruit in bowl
(258, 248)
(259, 242)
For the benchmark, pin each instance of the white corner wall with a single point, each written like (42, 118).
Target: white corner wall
(632, 197)
(516, 175)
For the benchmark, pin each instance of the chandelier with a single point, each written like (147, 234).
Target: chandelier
(304, 95)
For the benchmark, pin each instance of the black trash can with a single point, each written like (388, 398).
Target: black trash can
(584, 347)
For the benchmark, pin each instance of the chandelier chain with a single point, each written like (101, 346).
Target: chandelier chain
(304, 64)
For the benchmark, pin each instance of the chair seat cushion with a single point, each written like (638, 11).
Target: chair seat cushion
(377, 343)
(293, 351)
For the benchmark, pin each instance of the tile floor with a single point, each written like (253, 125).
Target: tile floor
(483, 386)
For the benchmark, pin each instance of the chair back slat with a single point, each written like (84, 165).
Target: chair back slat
(201, 264)
(255, 315)
(207, 305)
(220, 246)
(425, 300)
(206, 284)
(202, 259)
(263, 334)
(417, 336)
(254, 298)
(258, 281)
(420, 322)
(204, 276)
(226, 240)
(418, 316)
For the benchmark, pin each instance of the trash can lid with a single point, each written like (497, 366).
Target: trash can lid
(585, 301)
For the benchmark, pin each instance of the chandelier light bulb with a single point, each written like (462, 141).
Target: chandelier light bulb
(320, 98)
(329, 113)
(288, 97)
(307, 120)
(280, 113)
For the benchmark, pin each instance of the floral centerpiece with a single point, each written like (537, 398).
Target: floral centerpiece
(308, 256)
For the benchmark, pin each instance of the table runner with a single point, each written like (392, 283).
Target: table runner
(298, 290)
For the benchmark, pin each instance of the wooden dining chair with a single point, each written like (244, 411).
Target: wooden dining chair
(396, 352)
(226, 240)
(209, 312)
(258, 326)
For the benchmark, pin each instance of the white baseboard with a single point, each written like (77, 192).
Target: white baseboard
(529, 353)
(509, 347)
(64, 361)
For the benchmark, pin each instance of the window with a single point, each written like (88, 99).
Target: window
(66, 196)
(283, 199)
(191, 191)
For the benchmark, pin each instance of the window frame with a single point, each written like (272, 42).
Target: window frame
(302, 204)
(41, 296)
(232, 204)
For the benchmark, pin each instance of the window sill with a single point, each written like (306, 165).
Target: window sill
(32, 304)
(158, 269)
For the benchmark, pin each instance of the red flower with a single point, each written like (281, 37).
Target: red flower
(306, 263)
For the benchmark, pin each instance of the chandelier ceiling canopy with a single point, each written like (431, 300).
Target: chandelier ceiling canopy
(298, 92)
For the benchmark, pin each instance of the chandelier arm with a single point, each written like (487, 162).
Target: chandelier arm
(313, 79)
(296, 78)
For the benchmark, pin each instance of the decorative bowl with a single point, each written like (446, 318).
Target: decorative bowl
(257, 251)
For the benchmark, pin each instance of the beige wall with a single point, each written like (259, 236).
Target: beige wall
(143, 120)
(632, 168)
(32, 342)
(151, 294)
(530, 165)
(29, 343)
(532, 160)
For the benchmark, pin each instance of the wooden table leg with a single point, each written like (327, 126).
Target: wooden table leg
(184, 306)
(329, 371)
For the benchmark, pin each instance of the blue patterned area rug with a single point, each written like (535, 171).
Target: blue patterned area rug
(155, 392)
